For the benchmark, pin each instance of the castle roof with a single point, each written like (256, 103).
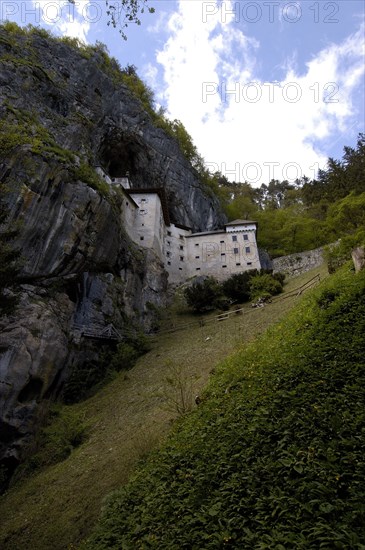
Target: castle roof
(240, 222)
(219, 231)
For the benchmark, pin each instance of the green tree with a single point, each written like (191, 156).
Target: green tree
(340, 178)
(264, 285)
(237, 287)
(242, 203)
(205, 295)
(347, 215)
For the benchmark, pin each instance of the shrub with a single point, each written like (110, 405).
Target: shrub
(338, 254)
(83, 378)
(124, 358)
(278, 276)
(86, 378)
(264, 285)
(237, 287)
(204, 295)
(63, 431)
(178, 393)
(88, 175)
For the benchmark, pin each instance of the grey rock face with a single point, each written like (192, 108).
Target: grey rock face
(33, 352)
(298, 263)
(79, 266)
(358, 257)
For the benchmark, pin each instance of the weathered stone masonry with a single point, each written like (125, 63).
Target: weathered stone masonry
(185, 254)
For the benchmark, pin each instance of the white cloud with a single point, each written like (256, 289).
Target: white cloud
(237, 134)
(160, 23)
(67, 19)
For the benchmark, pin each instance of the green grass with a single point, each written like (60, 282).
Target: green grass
(126, 419)
(273, 458)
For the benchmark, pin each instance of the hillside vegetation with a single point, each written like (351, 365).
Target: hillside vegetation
(124, 421)
(273, 457)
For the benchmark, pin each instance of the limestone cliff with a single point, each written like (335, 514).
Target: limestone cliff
(62, 112)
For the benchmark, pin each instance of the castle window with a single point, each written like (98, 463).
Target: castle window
(234, 237)
(181, 258)
(141, 238)
(169, 243)
(223, 254)
(197, 244)
(143, 200)
(168, 254)
(198, 269)
(235, 250)
(180, 268)
(248, 249)
(197, 257)
(245, 237)
(181, 237)
(224, 266)
(181, 247)
(249, 263)
(169, 233)
(238, 264)
(142, 211)
(168, 263)
(222, 242)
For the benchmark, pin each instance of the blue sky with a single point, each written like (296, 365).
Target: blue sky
(265, 88)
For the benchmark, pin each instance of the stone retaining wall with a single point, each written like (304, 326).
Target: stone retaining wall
(298, 263)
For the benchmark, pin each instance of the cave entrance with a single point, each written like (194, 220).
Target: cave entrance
(119, 155)
(32, 390)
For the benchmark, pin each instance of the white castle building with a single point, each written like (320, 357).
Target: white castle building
(185, 254)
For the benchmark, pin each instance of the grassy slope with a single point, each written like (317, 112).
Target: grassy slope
(273, 458)
(128, 417)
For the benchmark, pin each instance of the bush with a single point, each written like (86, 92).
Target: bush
(88, 175)
(264, 285)
(338, 254)
(124, 358)
(204, 295)
(278, 276)
(86, 378)
(237, 287)
(64, 430)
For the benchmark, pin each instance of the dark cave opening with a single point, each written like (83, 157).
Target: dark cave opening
(118, 156)
(32, 390)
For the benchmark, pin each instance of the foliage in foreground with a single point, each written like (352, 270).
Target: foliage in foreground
(207, 294)
(274, 455)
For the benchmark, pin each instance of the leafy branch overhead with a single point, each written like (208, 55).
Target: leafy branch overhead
(124, 12)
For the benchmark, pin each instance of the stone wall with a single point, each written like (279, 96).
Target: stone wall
(298, 263)
(221, 254)
(176, 254)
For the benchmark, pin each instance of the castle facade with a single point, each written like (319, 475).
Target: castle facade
(185, 254)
